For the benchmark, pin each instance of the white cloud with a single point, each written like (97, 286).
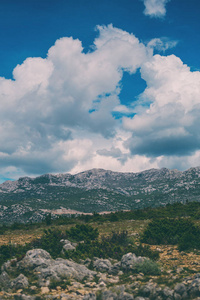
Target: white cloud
(162, 44)
(169, 126)
(57, 113)
(155, 8)
(51, 100)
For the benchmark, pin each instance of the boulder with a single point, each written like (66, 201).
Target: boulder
(23, 297)
(102, 265)
(20, 282)
(8, 265)
(194, 287)
(167, 293)
(114, 270)
(47, 269)
(35, 258)
(90, 296)
(130, 260)
(180, 288)
(67, 245)
(87, 262)
(151, 290)
(4, 280)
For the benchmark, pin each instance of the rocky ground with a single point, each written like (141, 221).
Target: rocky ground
(38, 276)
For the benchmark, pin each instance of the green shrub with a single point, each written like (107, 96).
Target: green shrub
(10, 251)
(113, 246)
(148, 267)
(50, 241)
(181, 232)
(145, 250)
(48, 219)
(82, 232)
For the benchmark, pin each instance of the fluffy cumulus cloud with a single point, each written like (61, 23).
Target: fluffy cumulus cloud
(155, 8)
(169, 125)
(57, 114)
(54, 104)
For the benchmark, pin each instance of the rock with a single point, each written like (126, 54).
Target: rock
(47, 268)
(44, 290)
(4, 281)
(167, 293)
(74, 270)
(33, 287)
(177, 296)
(67, 245)
(194, 286)
(20, 282)
(151, 290)
(35, 258)
(185, 296)
(87, 262)
(115, 269)
(23, 297)
(129, 261)
(102, 265)
(90, 296)
(113, 280)
(8, 265)
(108, 295)
(125, 296)
(102, 284)
(180, 288)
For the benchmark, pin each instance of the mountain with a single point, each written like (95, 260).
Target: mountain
(96, 190)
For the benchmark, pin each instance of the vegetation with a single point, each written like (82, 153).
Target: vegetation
(181, 232)
(82, 232)
(113, 246)
(50, 241)
(9, 251)
(173, 225)
(189, 209)
(148, 267)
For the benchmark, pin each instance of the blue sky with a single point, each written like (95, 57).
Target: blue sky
(98, 84)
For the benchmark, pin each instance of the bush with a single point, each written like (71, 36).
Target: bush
(182, 232)
(145, 250)
(10, 251)
(50, 242)
(113, 246)
(82, 232)
(148, 267)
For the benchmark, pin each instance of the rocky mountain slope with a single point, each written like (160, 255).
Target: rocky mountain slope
(96, 190)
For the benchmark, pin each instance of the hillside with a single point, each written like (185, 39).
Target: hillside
(102, 259)
(96, 190)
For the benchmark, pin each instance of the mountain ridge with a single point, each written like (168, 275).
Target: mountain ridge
(97, 190)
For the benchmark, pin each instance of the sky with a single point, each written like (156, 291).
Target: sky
(98, 84)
